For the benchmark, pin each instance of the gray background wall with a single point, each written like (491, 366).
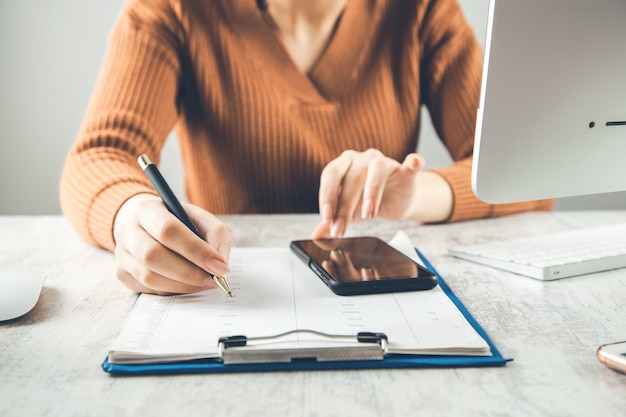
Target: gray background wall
(50, 55)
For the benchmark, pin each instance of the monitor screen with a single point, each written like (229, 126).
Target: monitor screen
(552, 115)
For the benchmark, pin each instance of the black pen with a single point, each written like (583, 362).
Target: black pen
(174, 206)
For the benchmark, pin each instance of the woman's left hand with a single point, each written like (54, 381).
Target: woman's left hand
(363, 185)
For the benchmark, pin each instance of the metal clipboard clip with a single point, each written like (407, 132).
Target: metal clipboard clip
(302, 346)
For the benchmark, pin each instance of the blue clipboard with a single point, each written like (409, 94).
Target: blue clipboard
(389, 362)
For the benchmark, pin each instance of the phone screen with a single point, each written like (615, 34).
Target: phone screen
(363, 265)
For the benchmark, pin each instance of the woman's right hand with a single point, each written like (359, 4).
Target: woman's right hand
(156, 253)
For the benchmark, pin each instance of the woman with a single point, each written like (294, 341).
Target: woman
(279, 106)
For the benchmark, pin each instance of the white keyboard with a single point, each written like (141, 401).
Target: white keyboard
(556, 255)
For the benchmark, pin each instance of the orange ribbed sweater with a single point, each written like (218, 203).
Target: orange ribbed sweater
(254, 131)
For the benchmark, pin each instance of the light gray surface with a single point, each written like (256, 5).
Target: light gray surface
(51, 55)
(50, 359)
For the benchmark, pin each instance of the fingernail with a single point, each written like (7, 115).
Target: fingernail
(219, 266)
(327, 215)
(337, 230)
(367, 210)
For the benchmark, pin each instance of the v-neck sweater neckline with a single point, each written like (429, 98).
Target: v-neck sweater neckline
(335, 70)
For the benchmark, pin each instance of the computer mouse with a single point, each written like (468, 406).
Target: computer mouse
(19, 292)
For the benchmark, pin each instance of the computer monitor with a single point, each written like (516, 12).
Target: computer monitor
(552, 115)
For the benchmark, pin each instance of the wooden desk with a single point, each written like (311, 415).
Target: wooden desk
(50, 359)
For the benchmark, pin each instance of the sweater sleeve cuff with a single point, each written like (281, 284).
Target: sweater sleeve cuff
(467, 206)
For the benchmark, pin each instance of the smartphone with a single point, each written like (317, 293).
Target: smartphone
(362, 265)
(613, 355)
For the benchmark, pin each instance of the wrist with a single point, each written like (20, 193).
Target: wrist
(433, 199)
(128, 208)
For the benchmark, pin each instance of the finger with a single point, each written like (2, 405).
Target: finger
(394, 196)
(413, 161)
(171, 233)
(216, 233)
(378, 172)
(347, 204)
(122, 274)
(331, 181)
(322, 231)
(151, 257)
(138, 278)
(353, 187)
